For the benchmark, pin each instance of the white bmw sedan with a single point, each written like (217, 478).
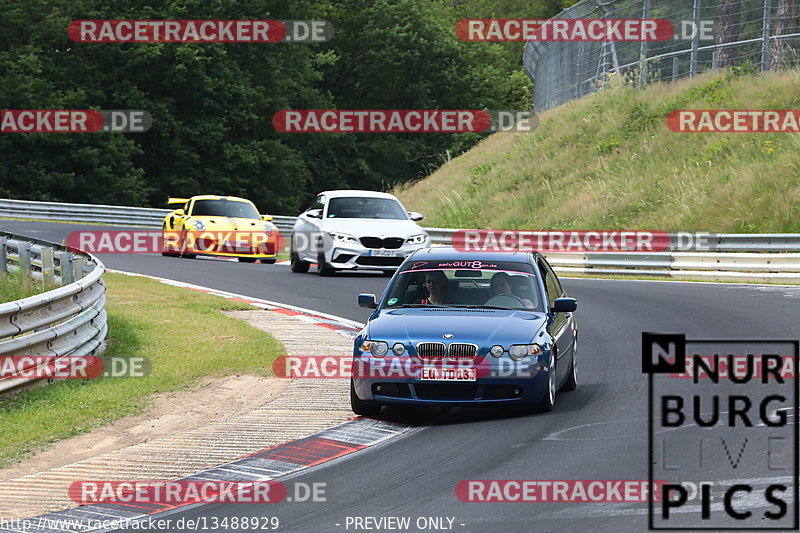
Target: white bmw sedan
(352, 230)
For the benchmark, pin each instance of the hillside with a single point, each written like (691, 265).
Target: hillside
(608, 161)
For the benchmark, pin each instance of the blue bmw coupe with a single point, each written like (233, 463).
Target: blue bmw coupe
(467, 329)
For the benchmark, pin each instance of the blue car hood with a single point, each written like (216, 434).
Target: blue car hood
(484, 327)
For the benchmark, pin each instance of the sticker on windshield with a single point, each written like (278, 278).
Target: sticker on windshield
(391, 301)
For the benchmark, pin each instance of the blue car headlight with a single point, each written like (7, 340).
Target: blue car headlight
(518, 352)
(376, 348)
(398, 349)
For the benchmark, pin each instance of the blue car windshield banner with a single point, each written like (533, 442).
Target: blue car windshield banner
(467, 264)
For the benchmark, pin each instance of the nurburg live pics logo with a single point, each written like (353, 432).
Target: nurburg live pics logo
(727, 440)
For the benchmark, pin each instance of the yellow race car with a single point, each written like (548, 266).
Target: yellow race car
(224, 226)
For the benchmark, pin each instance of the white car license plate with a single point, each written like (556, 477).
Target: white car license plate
(383, 253)
(432, 373)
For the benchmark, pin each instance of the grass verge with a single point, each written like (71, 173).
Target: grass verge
(608, 161)
(18, 285)
(182, 333)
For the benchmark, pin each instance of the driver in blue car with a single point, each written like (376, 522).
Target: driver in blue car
(435, 283)
(501, 284)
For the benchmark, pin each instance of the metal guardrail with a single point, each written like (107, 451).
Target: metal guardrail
(67, 321)
(732, 257)
(101, 214)
(709, 266)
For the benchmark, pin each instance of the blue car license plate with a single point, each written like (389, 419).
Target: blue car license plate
(432, 373)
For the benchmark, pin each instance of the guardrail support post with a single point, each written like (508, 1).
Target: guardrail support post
(77, 267)
(65, 267)
(48, 266)
(24, 256)
(3, 256)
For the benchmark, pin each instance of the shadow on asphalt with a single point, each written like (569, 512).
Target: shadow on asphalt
(566, 402)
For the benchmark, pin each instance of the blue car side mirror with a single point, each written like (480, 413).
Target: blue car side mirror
(564, 305)
(367, 300)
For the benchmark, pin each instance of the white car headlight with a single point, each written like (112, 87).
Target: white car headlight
(199, 225)
(417, 239)
(342, 237)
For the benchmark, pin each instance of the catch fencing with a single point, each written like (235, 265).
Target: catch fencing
(754, 34)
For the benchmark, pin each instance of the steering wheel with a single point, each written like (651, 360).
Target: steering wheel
(505, 300)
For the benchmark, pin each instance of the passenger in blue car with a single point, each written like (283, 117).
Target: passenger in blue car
(501, 284)
(435, 283)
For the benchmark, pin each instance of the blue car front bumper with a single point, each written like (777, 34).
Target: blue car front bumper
(499, 382)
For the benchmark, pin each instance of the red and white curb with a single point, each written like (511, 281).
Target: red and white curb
(265, 465)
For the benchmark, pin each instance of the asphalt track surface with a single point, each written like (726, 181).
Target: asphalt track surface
(596, 432)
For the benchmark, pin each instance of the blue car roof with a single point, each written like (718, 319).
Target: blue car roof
(443, 253)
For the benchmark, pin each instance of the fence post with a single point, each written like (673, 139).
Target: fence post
(714, 58)
(674, 67)
(695, 39)
(563, 93)
(24, 261)
(579, 70)
(765, 47)
(643, 48)
(48, 271)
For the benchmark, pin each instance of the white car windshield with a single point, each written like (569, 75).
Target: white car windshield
(359, 207)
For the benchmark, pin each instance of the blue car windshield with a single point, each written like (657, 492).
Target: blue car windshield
(465, 283)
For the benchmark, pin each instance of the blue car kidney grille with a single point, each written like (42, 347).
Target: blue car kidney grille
(438, 350)
(462, 351)
(431, 350)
